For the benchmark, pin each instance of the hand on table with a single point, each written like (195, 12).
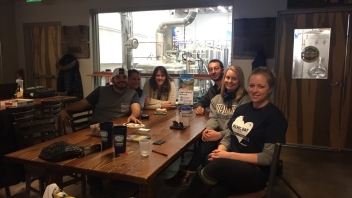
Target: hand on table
(167, 105)
(133, 119)
(200, 110)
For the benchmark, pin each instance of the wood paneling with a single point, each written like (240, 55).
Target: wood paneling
(315, 110)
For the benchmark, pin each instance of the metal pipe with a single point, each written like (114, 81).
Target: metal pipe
(171, 23)
(126, 34)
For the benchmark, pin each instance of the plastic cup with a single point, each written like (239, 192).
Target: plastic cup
(186, 114)
(106, 135)
(144, 146)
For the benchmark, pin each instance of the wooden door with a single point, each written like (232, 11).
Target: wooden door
(43, 50)
(315, 109)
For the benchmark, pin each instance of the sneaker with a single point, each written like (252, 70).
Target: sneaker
(180, 179)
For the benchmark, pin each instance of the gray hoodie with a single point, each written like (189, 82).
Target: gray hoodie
(220, 114)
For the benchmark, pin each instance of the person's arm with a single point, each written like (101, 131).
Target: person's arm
(77, 106)
(205, 100)
(135, 109)
(172, 93)
(212, 123)
(155, 103)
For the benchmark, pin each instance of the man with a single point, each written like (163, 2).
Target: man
(216, 72)
(110, 102)
(134, 82)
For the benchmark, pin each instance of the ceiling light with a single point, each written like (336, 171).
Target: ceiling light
(222, 9)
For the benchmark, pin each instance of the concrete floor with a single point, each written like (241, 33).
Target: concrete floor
(312, 173)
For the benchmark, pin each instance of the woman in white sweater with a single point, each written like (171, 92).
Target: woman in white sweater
(160, 91)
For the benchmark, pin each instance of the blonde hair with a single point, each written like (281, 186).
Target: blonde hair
(241, 90)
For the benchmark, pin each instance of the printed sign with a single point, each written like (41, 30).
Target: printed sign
(185, 91)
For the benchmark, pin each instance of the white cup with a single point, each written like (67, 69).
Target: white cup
(144, 146)
(185, 117)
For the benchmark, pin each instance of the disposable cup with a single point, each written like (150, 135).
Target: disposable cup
(144, 146)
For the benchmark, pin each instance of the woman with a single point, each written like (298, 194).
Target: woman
(160, 90)
(222, 107)
(241, 163)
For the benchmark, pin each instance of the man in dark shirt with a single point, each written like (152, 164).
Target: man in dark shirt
(109, 102)
(216, 72)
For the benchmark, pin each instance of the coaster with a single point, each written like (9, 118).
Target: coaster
(178, 127)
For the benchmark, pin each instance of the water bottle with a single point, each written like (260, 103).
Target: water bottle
(19, 82)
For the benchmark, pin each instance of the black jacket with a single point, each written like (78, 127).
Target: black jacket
(205, 100)
(69, 79)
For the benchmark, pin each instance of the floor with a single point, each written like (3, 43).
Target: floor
(312, 173)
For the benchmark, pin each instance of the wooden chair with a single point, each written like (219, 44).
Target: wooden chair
(30, 133)
(19, 115)
(49, 109)
(81, 119)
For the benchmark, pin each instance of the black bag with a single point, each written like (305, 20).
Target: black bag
(39, 93)
(60, 151)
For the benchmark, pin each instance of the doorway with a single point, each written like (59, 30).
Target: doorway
(42, 51)
(317, 109)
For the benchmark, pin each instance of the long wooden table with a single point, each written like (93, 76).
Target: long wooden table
(130, 167)
(37, 101)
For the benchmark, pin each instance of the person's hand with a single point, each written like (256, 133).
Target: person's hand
(210, 135)
(167, 105)
(64, 116)
(147, 101)
(218, 154)
(133, 119)
(200, 110)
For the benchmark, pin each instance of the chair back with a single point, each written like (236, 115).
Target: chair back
(273, 170)
(34, 132)
(21, 114)
(81, 119)
(50, 109)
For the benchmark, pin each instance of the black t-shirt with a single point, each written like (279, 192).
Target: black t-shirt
(251, 128)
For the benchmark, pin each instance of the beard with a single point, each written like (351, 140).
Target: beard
(218, 78)
(120, 85)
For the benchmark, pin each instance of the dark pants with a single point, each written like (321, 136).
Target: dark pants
(233, 176)
(200, 155)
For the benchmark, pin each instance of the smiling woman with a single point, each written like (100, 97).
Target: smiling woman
(160, 90)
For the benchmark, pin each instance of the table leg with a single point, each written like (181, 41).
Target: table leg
(53, 177)
(148, 190)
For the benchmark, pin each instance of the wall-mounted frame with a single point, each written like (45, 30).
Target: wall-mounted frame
(252, 35)
(311, 53)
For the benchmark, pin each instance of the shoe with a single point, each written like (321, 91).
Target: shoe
(180, 179)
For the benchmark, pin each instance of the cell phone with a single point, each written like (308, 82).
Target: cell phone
(159, 142)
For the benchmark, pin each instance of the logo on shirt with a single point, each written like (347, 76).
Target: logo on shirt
(223, 112)
(241, 129)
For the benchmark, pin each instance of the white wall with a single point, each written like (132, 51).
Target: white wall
(76, 12)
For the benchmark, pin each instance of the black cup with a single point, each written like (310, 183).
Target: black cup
(119, 134)
(106, 135)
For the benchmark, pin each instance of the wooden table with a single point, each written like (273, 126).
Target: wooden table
(37, 101)
(131, 167)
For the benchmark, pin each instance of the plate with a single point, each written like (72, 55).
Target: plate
(133, 125)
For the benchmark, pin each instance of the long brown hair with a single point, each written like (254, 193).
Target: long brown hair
(166, 86)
